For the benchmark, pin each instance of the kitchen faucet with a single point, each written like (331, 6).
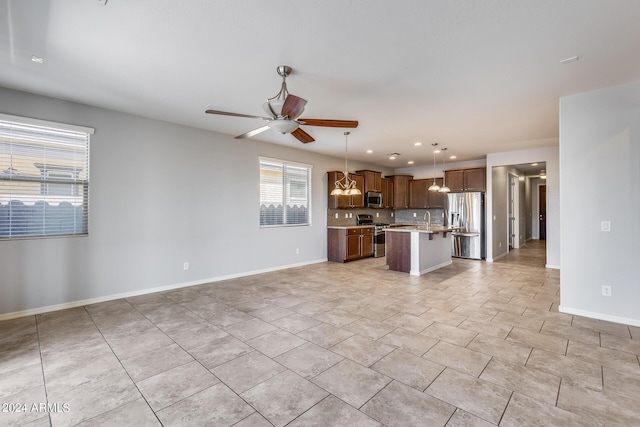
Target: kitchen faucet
(425, 218)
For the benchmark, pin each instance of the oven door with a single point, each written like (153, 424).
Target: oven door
(378, 244)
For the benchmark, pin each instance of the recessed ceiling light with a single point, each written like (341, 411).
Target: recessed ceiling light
(369, 151)
(417, 144)
(534, 164)
(392, 157)
(410, 162)
(569, 60)
(37, 59)
(453, 157)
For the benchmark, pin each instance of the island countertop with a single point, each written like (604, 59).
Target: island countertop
(434, 229)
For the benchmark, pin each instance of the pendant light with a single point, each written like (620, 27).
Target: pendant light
(444, 188)
(434, 186)
(348, 187)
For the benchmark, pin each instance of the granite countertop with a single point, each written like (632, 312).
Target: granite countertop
(421, 228)
(345, 227)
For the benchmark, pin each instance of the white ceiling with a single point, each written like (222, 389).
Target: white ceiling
(476, 76)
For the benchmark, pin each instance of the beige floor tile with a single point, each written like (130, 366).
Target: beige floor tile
(518, 321)
(192, 338)
(156, 361)
(310, 308)
(635, 332)
(247, 371)
(451, 334)
(284, 397)
(573, 333)
(80, 372)
(615, 342)
(464, 419)
(622, 383)
(409, 308)
(411, 370)
(129, 346)
(275, 343)
(474, 312)
(602, 326)
(401, 405)
(136, 413)
(19, 380)
(295, 323)
(507, 351)
(525, 411)
(606, 357)
(495, 329)
(574, 370)
(288, 301)
(538, 340)
(171, 386)
(470, 394)
(351, 382)
(333, 412)
(528, 381)
(608, 409)
(369, 328)
(325, 335)
(408, 322)
(410, 342)
(309, 360)
(548, 316)
(254, 420)
(462, 359)
(249, 329)
(443, 316)
(270, 313)
(220, 351)
(198, 410)
(363, 350)
(337, 318)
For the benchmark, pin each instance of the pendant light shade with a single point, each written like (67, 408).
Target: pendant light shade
(444, 188)
(345, 186)
(434, 186)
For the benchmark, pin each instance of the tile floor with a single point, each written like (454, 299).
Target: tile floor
(472, 344)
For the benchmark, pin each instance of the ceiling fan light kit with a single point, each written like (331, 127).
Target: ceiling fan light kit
(345, 186)
(284, 110)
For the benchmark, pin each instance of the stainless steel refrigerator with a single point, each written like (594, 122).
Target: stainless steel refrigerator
(466, 210)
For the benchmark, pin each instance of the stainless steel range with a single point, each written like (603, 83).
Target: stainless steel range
(378, 233)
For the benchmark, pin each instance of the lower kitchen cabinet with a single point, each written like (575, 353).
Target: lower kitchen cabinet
(347, 244)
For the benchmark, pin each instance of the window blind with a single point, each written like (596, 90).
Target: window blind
(285, 190)
(44, 179)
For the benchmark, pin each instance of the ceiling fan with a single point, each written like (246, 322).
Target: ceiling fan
(284, 110)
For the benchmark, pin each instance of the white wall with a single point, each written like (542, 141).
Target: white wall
(600, 181)
(551, 156)
(160, 194)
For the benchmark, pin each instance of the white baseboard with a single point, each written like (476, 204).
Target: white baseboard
(435, 267)
(73, 304)
(497, 257)
(599, 316)
(555, 267)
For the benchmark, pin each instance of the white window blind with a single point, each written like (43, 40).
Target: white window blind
(285, 190)
(44, 178)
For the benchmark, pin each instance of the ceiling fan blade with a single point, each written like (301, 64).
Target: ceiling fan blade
(293, 106)
(329, 123)
(226, 113)
(302, 136)
(252, 132)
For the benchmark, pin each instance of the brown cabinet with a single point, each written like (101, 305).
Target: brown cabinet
(349, 244)
(401, 194)
(387, 193)
(340, 202)
(418, 197)
(436, 199)
(466, 180)
(372, 180)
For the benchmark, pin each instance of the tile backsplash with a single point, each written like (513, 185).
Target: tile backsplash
(404, 216)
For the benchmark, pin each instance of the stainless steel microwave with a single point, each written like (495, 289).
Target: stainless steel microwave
(373, 199)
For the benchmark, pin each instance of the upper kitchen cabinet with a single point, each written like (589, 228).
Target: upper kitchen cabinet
(341, 202)
(418, 197)
(372, 180)
(401, 194)
(466, 180)
(387, 193)
(435, 199)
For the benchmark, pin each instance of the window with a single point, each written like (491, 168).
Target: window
(44, 178)
(285, 190)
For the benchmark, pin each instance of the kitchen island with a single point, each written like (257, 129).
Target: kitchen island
(418, 249)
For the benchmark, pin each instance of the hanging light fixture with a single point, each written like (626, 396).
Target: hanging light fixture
(444, 188)
(434, 186)
(345, 186)
(543, 174)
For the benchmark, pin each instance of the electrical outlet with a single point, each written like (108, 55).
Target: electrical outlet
(336, 215)
(185, 266)
(377, 214)
(350, 215)
(391, 214)
(606, 290)
(346, 215)
(415, 214)
(605, 225)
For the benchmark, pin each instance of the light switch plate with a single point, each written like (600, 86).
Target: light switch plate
(605, 225)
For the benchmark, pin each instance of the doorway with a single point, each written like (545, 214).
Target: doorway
(542, 213)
